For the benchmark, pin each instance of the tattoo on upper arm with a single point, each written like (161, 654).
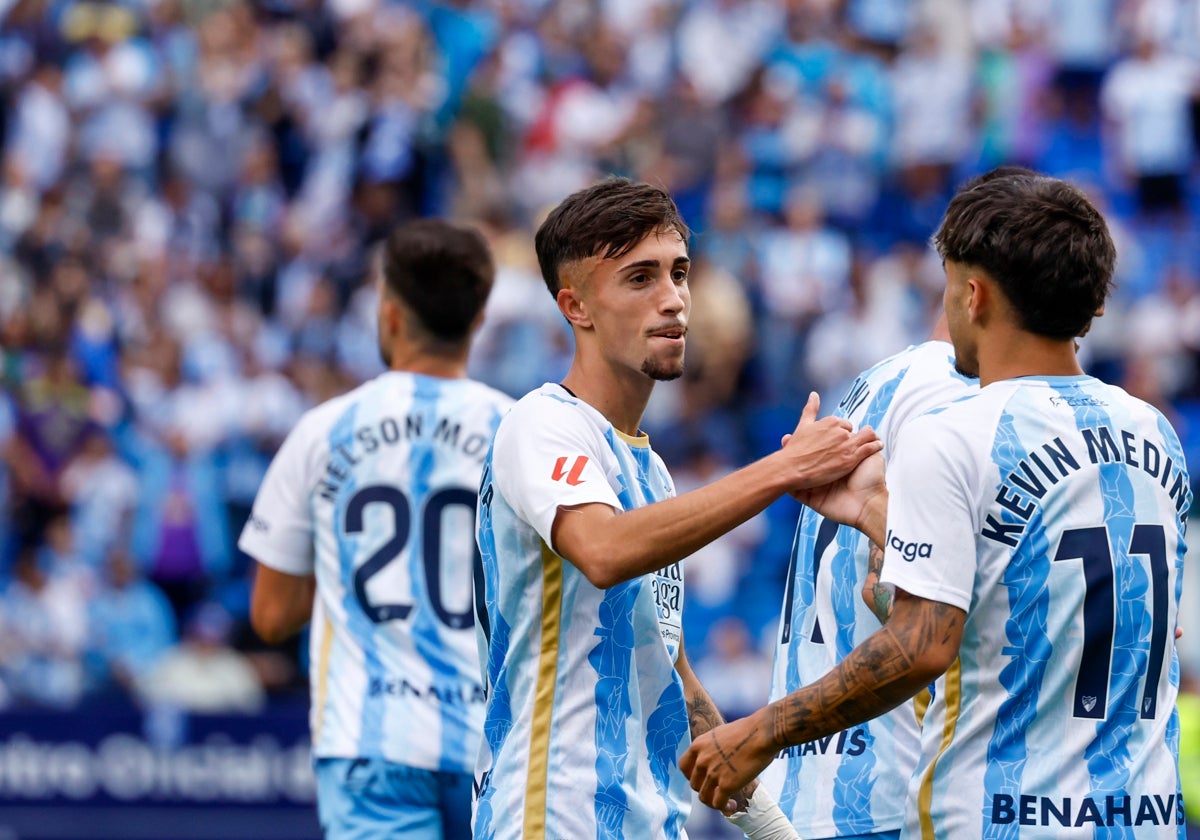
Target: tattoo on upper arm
(880, 598)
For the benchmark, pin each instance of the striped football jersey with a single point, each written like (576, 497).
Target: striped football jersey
(854, 782)
(586, 720)
(374, 492)
(1051, 510)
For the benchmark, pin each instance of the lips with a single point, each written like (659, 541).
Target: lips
(673, 333)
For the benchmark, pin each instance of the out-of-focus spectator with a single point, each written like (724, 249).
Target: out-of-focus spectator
(805, 272)
(203, 674)
(1146, 98)
(53, 421)
(101, 490)
(131, 626)
(737, 674)
(43, 616)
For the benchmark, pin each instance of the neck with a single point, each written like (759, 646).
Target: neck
(412, 360)
(620, 398)
(1016, 353)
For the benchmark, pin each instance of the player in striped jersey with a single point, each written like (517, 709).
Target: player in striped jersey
(852, 785)
(591, 701)
(369, 504)
(1035, 541)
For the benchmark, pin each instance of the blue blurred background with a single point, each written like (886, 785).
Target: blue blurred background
(190, 189)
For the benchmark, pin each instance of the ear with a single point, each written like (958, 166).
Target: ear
(391, 318)
(573, 307)
(979, 298)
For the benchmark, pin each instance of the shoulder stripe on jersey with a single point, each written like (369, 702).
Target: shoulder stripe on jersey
(323, 675)
(543, 698)
(953, 690)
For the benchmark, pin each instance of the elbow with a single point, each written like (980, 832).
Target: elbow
(270, 625)
(601, 576)
(932, 663)
(601, 569)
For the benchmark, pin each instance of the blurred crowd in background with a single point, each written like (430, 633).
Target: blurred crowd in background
(190, 189)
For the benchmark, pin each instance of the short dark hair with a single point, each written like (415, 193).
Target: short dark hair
(608, 219)
(442, 272)
(1040, 239)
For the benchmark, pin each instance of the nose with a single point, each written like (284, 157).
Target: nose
(675, 298)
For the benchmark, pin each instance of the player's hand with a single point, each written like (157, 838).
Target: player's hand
(847, 499)
(724, 760)
(824, 450)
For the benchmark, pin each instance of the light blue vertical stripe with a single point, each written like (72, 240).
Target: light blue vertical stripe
(855, 781)
(668, 722)
(1175, 453)
(663, 733)
(360, 627)
(1108, 754)
(803, 601)
(1025, 577)
(499, 716)
(427, 628)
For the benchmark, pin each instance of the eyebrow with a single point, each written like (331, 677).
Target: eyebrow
(654, 263)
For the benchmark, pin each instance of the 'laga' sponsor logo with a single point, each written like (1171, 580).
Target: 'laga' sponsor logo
(910, 551)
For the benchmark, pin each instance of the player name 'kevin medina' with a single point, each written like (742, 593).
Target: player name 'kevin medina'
(1054, 460)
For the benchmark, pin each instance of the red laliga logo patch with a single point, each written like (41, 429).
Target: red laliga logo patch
(573, 477)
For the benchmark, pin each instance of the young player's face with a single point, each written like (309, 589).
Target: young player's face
(955, 298)
(639, 304)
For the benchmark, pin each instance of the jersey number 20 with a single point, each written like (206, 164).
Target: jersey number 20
(431, 548)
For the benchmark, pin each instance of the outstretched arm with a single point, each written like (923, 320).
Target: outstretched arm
(916, 646)
(610, 547)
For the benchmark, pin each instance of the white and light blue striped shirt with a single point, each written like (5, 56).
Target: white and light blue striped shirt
(1051, 510)
(854, 782)
(375, 492)
(586, 719)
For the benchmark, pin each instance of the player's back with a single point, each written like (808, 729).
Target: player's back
(1057, 719)
(391, 471)
(853, 782)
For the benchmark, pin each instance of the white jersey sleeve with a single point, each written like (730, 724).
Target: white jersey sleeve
(558, 467)
(930, 549)
(279, 533)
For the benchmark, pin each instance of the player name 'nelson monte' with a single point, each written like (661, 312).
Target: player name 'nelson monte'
(1054, 460)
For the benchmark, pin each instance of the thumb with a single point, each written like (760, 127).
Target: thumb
(809, 415)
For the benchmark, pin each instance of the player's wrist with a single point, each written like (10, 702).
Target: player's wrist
(872, 519)
(763, 819)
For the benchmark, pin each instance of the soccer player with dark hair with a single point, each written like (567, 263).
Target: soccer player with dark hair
(591, 701)
(1034, 539)
(364, 522)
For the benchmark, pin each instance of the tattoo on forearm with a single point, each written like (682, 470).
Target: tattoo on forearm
(702, 714)
(703, 717)
(875, 678)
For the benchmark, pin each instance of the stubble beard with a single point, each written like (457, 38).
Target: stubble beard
(662, 371)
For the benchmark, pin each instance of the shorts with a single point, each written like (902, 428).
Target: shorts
(373, 799)
(879, 835)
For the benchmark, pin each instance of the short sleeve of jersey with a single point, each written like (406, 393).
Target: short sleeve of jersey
(549, 455)
(930, 551)
(279, 532)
